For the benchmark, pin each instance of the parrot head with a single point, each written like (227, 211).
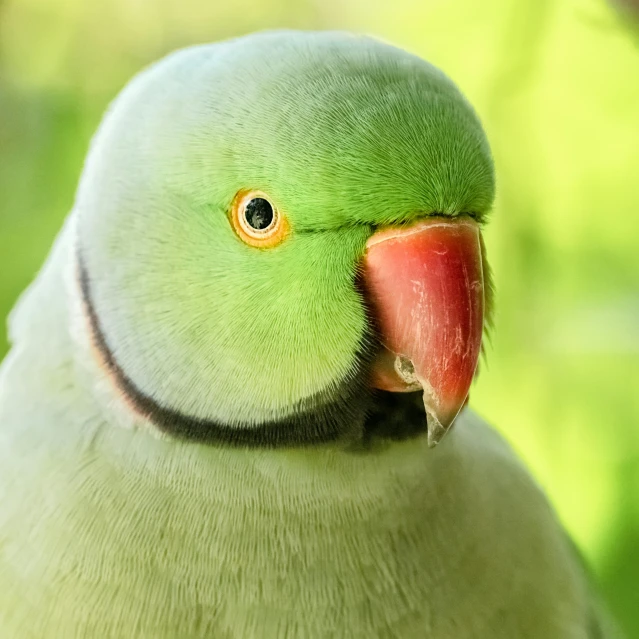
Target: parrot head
(274, 229)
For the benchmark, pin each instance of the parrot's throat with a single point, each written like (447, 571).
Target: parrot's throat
(324, 417)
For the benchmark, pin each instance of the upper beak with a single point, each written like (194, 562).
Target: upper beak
(426, 288)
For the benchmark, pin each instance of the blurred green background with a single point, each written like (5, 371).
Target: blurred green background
(557, 86)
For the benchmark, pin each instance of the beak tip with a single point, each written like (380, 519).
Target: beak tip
(436, 431)
(438, 428)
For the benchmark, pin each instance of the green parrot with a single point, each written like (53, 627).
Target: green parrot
(227, 408)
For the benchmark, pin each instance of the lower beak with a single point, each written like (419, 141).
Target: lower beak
(425, 286)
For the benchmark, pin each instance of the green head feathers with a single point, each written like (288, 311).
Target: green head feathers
(206, 334)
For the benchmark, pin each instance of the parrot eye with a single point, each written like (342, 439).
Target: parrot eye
(256, 220)
(259, 214)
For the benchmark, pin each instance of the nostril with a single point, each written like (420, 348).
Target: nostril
(405, 369)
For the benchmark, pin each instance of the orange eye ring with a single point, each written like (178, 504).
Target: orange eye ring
(256, 220)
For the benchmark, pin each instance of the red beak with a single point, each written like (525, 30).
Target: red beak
(426, 287)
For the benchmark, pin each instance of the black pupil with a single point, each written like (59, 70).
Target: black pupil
(259, 213)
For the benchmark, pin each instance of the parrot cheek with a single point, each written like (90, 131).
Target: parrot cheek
(425, 287)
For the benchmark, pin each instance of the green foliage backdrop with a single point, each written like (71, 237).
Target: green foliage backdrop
(557, 86)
